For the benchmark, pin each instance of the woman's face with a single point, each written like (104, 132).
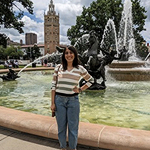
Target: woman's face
(69, 56)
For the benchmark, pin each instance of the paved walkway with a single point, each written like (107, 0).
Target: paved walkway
(15, 140)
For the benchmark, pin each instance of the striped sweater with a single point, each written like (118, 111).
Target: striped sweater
(67, 80)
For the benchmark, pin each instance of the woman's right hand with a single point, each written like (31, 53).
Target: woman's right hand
(53, 107)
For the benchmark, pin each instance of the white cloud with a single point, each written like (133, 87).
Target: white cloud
(29, 24)
(39, 14)
(34, 27)
(68, 13)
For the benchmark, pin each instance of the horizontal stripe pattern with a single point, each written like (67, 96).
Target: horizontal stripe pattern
(67, 80)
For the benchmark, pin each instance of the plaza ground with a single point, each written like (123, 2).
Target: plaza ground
(16, 140)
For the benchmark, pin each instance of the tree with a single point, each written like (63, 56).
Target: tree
(2, 52)
(3, 40)
(13, 52)
(9, 17)
(33, 52)
(96, 16)
(142, 51)
(138, 20)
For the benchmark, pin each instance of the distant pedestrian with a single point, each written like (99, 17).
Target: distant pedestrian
(6, 64)
(10, 65)
(45, 62)
(16, 64)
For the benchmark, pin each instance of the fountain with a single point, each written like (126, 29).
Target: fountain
(109, 33)
(54, 57)
(113, 106)
(45, 56)
(125, 36)
(126, 68)
(12, 75)
(130, 68)
(95, 58)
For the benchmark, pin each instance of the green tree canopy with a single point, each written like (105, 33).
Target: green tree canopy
(2, 52)
(11, 51)
(96, 16)
(33, 52)
(138, 20)
(9, 17)
(3, 40)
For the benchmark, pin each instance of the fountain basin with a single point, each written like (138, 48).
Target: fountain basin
(129, 71)
(31, 93)
(130, 74)
(127, 64)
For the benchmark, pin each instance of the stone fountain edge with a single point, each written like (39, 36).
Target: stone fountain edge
(95, 135)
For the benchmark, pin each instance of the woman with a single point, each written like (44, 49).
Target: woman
(65, 93)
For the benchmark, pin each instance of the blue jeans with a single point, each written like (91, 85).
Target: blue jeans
(67, 113)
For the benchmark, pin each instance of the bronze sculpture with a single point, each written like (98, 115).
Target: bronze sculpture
(11, 75)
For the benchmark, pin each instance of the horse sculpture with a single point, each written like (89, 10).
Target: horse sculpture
(94, 63)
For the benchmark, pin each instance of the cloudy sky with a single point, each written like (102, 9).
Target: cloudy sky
(68, 10)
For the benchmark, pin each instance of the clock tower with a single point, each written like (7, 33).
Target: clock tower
(51, 29)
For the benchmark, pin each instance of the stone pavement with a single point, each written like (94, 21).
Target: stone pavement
(16, 140)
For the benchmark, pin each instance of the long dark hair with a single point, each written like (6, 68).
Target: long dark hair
(76, 58)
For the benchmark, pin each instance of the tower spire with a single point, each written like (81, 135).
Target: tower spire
(51, 8)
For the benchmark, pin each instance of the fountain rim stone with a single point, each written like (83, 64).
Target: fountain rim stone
(108, 137)
(127, 64)
(129, 71)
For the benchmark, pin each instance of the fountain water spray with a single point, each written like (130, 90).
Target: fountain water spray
(125, 35)
(45, 56)
(110, 31)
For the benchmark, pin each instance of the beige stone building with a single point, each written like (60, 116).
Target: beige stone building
(51, 29)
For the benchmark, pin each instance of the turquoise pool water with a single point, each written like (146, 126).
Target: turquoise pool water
(123, 104)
